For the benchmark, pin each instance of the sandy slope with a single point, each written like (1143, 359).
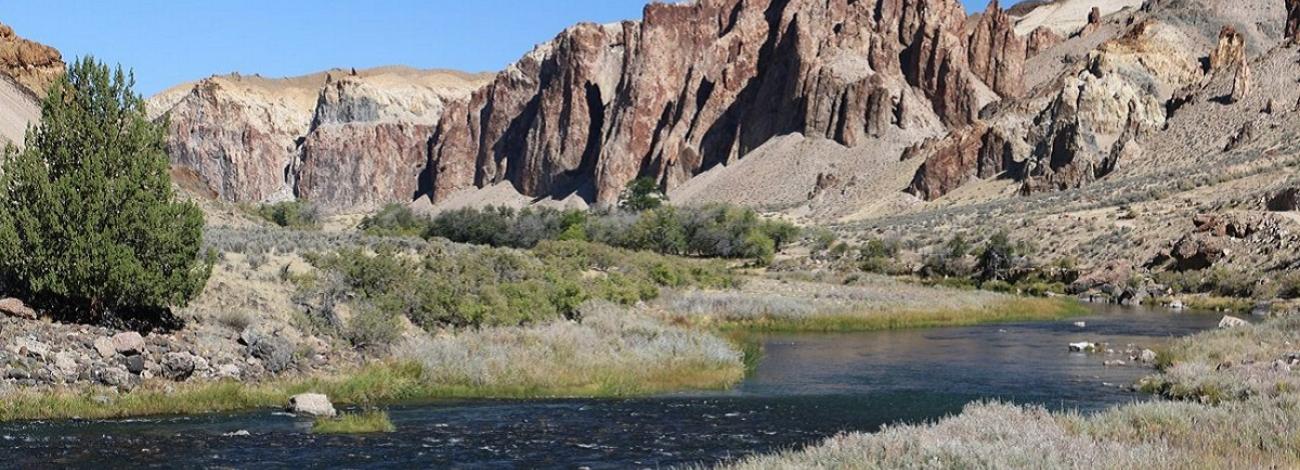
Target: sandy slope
(18, 108)
(1067, 16)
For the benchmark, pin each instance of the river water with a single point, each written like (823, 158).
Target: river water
(807, 388)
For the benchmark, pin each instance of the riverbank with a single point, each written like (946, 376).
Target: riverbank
(873, 303)
(1240, 408)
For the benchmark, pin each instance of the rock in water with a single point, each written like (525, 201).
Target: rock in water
(1232, 322)
(1083, 347)
(312, 404)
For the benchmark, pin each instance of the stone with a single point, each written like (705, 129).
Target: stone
(275, 353)
(115, 377)
(311, 404)
(1232, 322)
(1147, 356)
(239, 433)
(1094, 22)
(17, 373)
(1285, 200)
(17, 309)
(1114, 363)
(33, 65)
(29, 347)
(1083, 347)
(1040, 39)
(177, 366)
(228, 371)
(1080, 324)
(66, 363)
(104, 346)
(1176, 305)
(134, 363)
(128, 343)
(1230, 51)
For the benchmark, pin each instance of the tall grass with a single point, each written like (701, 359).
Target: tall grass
(840, 310)
(354, 423)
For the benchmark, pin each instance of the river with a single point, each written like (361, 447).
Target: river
(806, 388)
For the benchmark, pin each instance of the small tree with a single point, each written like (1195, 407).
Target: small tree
(995, 261)
(89, 221)
(642, 194)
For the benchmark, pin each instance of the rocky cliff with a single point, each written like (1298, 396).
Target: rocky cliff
(33, 65)
(347, 140)
(695, 85)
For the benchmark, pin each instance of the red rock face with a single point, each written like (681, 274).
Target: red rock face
(340, 171)
(976, 151)
(1041, 39)
(695, 85)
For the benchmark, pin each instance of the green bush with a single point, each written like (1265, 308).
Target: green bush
(395, 220)
(716, 231)
(371, 328)
(642, 194)
(90, 221)
(290, 214)
(497, 286)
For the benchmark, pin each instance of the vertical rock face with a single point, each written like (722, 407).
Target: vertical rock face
(996, 54)
(979, 151)
(1240, 82)
(35, 66)
(698, 84)
(238, 135)
(1094, 22)
(345, 140)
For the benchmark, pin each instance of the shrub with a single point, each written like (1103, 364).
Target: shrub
(996, 259)
(90, 220)
(395, 220)
(290, 214)
(642, 194)
(371, 328)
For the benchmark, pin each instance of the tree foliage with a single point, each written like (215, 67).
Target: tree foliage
(89, 220)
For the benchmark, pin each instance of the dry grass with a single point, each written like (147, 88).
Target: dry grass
(612, 352)
(878, 304)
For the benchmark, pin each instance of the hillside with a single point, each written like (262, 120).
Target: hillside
(26, 69)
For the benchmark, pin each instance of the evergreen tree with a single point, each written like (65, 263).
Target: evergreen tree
(642, 194)
(89, 221)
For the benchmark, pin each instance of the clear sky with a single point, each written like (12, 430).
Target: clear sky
(173, 41)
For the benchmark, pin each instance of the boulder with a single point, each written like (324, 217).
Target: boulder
(275, 353)
(128, 343)
(104, 346)
(1147, 356)
(177, 366)
(30, 347)
(1176, 305)
(134, 363)
(115, 377)
(1083, 347)
(1232, 322)
(66, 364)
(17, 309)
(311, 404)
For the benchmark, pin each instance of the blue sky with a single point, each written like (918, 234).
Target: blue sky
(173, 41)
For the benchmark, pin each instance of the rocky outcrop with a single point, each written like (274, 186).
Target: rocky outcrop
(978, 151)
(1229, 52)
(1094, 22)
(33, 65)
(695, 85)
(1040, 39)
(346, 140)
(996, 54)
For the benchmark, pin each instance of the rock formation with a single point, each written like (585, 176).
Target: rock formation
(1094, 22)
(1041, 39)
(699, 84)
(977, 151)
(347, 141)
(35, 66)
(1230, 51)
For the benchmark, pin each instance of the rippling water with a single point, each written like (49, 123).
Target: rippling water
(807, 387)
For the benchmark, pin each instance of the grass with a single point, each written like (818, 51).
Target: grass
(368, 422)
(1009, 310)
(611, 353)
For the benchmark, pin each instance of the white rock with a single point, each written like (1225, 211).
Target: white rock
(104, 346)
(1081, 324)
(1082, 347)
(228, 371)
(66, 363)
(313, 404)
(129, 343)
(30, 348)
(1148, 356)
(239, 433)
(1176, 305)
(1232, 322)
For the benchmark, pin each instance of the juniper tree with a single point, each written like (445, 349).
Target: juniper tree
(89, 220)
